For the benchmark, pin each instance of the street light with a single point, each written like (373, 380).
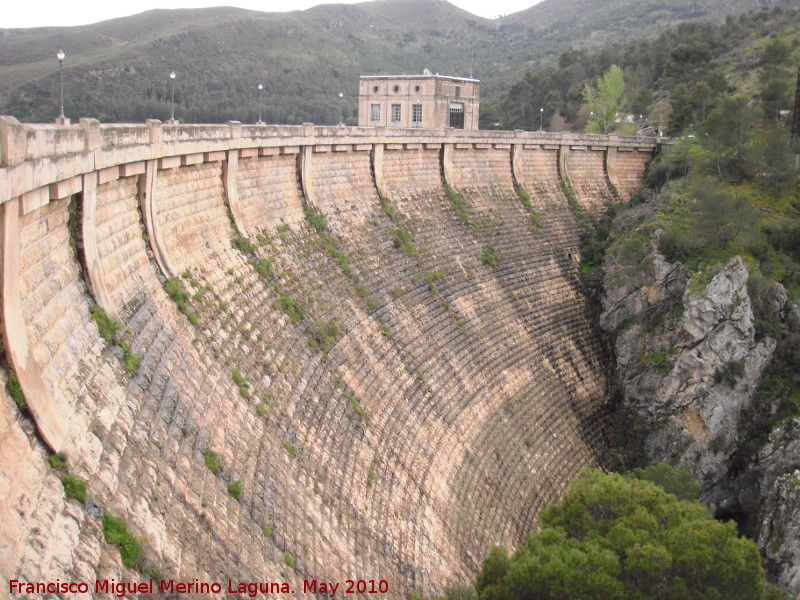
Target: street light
(172, 115)
(260, 89)
(60, 56)
(541, 119)
(341, 96)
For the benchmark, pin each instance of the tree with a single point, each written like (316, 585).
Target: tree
(620, 537)
(775, 54)
(775, 97)
(776, 158)
(674, 481)
(606, 100)
(720, 215)
(726, 132)
(681, 112)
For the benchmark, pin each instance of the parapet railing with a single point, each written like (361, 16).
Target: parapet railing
(36, 155)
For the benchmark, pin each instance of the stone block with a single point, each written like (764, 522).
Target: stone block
(66, 188)
(131, 169)
(169, 162)
(33, 200)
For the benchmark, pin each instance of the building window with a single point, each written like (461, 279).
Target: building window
(374, 112)
(416, 113)
(396, 89)
(457, 115)
(395, 113)
(458, 91)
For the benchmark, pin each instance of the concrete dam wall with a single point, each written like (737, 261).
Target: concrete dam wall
(379, 334)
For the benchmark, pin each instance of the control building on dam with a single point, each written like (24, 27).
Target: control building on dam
(339, 354)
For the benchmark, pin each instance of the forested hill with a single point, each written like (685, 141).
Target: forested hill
(672, 79)
(118, 70)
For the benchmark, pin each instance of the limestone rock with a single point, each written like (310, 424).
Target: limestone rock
(693, 376)
(689, 378)
(778, 532)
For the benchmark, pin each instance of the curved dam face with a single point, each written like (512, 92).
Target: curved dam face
(377, 335)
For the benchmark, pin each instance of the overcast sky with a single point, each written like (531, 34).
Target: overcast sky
(33, 13)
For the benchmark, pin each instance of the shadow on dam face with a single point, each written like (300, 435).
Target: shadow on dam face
(337, 354)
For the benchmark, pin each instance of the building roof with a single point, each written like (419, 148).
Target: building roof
(429, 76)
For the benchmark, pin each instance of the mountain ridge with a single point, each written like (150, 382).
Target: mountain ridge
(117, 70)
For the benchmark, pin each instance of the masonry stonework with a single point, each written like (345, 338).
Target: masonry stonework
(453, 400)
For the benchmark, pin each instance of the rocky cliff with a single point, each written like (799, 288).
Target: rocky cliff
(689, 363)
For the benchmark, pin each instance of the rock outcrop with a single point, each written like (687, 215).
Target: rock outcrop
(688, 363)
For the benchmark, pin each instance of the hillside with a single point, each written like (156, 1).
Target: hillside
(671, 79)
(117, 70)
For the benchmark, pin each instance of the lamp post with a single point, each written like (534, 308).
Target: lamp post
(60, 56)
(260, 90)
(541, 119)
(172, 114)
(341, 96)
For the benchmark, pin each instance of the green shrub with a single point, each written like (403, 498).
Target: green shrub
(336, 255)
(403, 242)
(289, 560)
(291, 449)
(74, 487)
(489, 258)
(235, 490)
(523, 196)
(106, 326)
(108, 329)
(175, 290)
(267, 531)
(264, 267)
(212, 461)
(130, 361)
(434, 276)
(314, 218)
(458, 205)
(239, 241)
(13, 387)
(388, 209)
(323, 334)
(57, 462)
(354, 402)
(287, 305)
(115, 532)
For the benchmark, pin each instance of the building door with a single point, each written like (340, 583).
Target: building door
(457, 115)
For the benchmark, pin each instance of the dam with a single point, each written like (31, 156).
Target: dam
(340, 353)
